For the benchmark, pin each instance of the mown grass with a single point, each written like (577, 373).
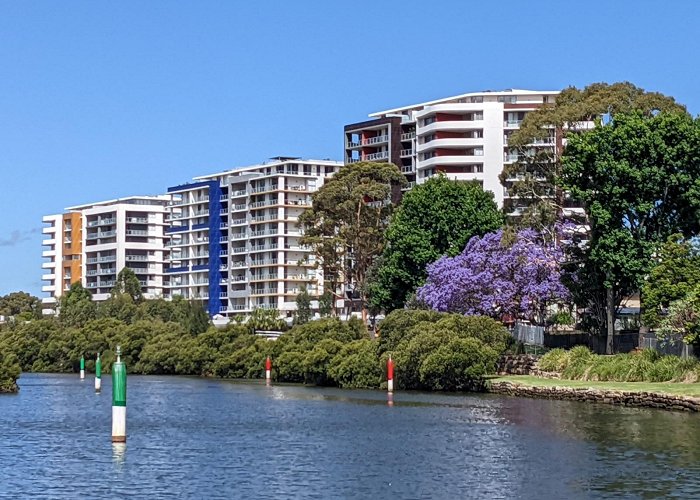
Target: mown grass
(675, 388)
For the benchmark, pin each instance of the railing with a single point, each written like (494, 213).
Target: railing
(237, 279)
(297, 188)
(258, 248)
(239, 250)
(201, 213)
(264, 203)
(235, 222)
(238, 236)
(512, 123)
(352, 160)
(262, 189)
(306, 203)
(238, 207)
(408, 136)
(264, 291)
(264, 232)
(410, 185)
(94, 260)
(375, 140)
(136, 258)
(223, 211)
(238, 264)
(408, 169)
(136, 232)
(201, 199)
(353, 144)
(137, 220)
(240, 192)
(406, 152)
(263, 277)
(377, 156)
(263, 262)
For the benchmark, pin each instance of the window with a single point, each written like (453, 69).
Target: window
(476, 99)
(427, 121)
(508, 98)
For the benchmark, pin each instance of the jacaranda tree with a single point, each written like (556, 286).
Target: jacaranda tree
(496, 277)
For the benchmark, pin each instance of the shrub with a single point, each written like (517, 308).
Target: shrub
(554, 361)
(398, 323)
(356, 366)
(459, 365)
(9, 372)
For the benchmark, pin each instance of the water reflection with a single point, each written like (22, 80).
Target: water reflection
(118, 455)
(195, 438)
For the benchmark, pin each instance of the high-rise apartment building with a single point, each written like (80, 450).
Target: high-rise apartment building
(91, 243)
(465, 136)
(234, 241)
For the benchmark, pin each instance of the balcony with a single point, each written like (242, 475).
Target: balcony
(263, 277)
(136, 232)
(408, 169)
(238, 278)
(409, 186)
(238, 193)
(137, 220)
(264, 203)
(235, 222)
(352, 160)
(375, 140)
(512, 123)
(238, 236)
(383, 155)
(238, 207)
(263, 262)
(239, 250)
(263, 189)
(406, 153)
(407, 136)
(302, 203)
(264, 291)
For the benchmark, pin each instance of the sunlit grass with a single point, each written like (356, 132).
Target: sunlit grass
(675, 388)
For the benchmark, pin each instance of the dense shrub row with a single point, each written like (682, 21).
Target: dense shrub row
(432, 351)
(643, 366)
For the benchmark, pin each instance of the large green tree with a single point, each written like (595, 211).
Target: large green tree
(20, 303)
(76, 306)
(639, 180)
(346, 223)
(434, 219)
(128, 283)
(675, 273)
(533, 180)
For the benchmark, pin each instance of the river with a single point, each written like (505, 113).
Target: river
(204, 438)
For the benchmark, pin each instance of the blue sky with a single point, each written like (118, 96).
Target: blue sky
(106, 99)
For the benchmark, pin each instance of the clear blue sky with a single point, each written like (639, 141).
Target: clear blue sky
(106, 99)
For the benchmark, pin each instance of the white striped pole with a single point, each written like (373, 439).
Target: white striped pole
(268, 370)
(98, 373)
(118, 400)
(82, 367)
(390, 375)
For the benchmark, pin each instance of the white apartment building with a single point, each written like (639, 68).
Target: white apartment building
(465, 136)
(234, 241)
(91, 243)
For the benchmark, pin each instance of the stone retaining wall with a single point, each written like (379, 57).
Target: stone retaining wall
(623, 398)
(521, 364)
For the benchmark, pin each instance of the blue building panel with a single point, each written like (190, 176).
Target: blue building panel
(214, 246)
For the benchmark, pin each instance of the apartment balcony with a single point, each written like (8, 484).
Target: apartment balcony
(237, 265)
(101, 222)
(238, 207)
(137, 220)
(201, 199)
(264, 232)
(263, 291)
(238, 279)
(264, 189)
(349, 160)
(300, 203)
(136, 232)
(383, 155)
(409, 186)
(107, 258)
(48, 229)
(512, 124)
(235, 222)
(452, 143)
(457, 125)
(451, 160)
(263, 204)
(238, 294)
(48, 265)
(353, 144)
(201, 213)
(263, 262)
(380, 139)
(407, 136)
(300, 187)
(102, 234)
(263, 277)
(406, 153)
(408, 169)
(223, 211)
(266, 218)
(239, 236)
(48, 277)
(48, 253)
(239, 250)
(238, 193)
(263, 248)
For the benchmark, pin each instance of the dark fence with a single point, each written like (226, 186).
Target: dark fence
(624, 341)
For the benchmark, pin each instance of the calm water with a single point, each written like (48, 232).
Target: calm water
(197, 438)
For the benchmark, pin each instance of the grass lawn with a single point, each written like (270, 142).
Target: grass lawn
(677, 389)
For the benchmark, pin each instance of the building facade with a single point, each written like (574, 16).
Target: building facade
(91, 243)
(465, 137)
(234, 241)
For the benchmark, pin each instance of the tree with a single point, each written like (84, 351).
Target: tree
(265, 319)
(494, 278)
(16, 303)
(639, 181)
(325, 304)
(434, 219)
(128, 283)
(346, 223)
(537, 144)
(76, 306)
(303, 313)
(675, 273)
(683, 317)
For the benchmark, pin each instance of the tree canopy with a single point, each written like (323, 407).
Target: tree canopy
(534, 177)
(346, 223)
(434, 219)
(20, 303)
(639, 180)
(495, 278)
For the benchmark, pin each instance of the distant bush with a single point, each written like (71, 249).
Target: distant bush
(643, 366)
(9, 372)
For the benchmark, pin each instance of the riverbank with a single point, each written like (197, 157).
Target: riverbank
(666, 396)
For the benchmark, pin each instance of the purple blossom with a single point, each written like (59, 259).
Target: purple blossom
(492, 279)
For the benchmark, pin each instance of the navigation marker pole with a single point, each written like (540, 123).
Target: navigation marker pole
(82, 367)
(118, 400)
(98, 374)
(390, 375)
(268, 370)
